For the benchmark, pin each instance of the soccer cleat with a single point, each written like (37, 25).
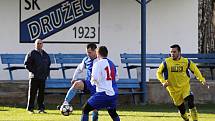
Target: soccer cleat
(194, 114)
(42, 111)
(185, 117)
(30, 111)
(58, 107)
(65, 103)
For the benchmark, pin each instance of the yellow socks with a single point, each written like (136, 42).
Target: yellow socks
(194, 114)
(185, 117)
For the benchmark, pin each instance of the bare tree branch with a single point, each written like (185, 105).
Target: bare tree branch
(206, 30)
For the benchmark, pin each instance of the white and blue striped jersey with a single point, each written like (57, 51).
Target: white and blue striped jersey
(87, 64)
(104, 76)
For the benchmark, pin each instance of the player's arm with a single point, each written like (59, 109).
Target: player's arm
(95, 74)
(196, 72)
(78, 71)
(160, 77)
(159, 73)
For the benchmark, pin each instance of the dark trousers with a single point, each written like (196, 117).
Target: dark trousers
(36, 88)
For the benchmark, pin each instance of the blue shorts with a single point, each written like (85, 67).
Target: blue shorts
(88, 88)
(100, 100)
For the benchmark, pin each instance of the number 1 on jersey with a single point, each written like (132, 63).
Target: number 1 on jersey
(110, 75)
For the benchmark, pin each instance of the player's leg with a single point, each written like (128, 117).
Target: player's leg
(192, 108)
(88, 88)
(182, 111)
(95, 115)
(179, 102)
(77, 85)
(85, 111)
(113, 114)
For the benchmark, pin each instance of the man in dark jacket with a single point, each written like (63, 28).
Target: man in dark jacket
(37, 62)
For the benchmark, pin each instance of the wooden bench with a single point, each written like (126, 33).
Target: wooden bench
(203, 61)
(60, 86)
(13, 61)
(65, 62)
(129, 87)
(68, 61)
(126, 87)
(132, 61)
(16, 62)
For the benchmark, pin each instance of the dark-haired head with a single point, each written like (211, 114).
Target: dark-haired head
(175, 52)
(102, 51)
(176, 46)
(92, 46)
(91, 50)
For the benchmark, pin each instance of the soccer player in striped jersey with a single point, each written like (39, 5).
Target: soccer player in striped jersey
(176, 80)
(104, 76)
(85, 85)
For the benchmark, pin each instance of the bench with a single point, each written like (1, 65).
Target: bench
(133, 61)
(12, 61)
(68, 61)
(16, 62)
(203, 61)
(129, 87)
(64, 62)
(58, 86)
(153, 61)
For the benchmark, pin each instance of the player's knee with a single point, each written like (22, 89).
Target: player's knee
(78, 85)
(112, 113)
(182, 108)
(87, 108)
(190, 100)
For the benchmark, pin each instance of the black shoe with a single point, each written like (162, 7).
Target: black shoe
(30, 111)
(42, 111)
(58, 107)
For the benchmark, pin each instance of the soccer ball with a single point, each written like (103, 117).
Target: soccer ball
(66, 110)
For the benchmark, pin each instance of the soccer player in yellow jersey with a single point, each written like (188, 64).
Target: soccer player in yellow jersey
(174, 76)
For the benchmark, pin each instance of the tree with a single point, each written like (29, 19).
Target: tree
(206, 28)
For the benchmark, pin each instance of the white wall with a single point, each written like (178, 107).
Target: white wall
(172, 21)
(168, 22)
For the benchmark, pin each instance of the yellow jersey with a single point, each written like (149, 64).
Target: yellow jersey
(177, 74)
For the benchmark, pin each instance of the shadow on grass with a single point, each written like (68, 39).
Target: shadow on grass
(135, 115)
(3, 110)
(165, 108)
(148, 108)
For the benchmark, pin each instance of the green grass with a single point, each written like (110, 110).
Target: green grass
(127, 113)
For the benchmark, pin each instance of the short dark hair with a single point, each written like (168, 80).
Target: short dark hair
(103, 51)
(176, 46)
(92, 46)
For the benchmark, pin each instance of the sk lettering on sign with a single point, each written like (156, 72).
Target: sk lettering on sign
(59, 21)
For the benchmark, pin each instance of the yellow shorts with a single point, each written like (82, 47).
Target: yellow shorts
(179, 96)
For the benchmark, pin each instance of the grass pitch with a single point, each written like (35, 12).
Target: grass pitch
(127, 113)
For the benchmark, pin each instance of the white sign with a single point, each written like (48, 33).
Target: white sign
(60, 21)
